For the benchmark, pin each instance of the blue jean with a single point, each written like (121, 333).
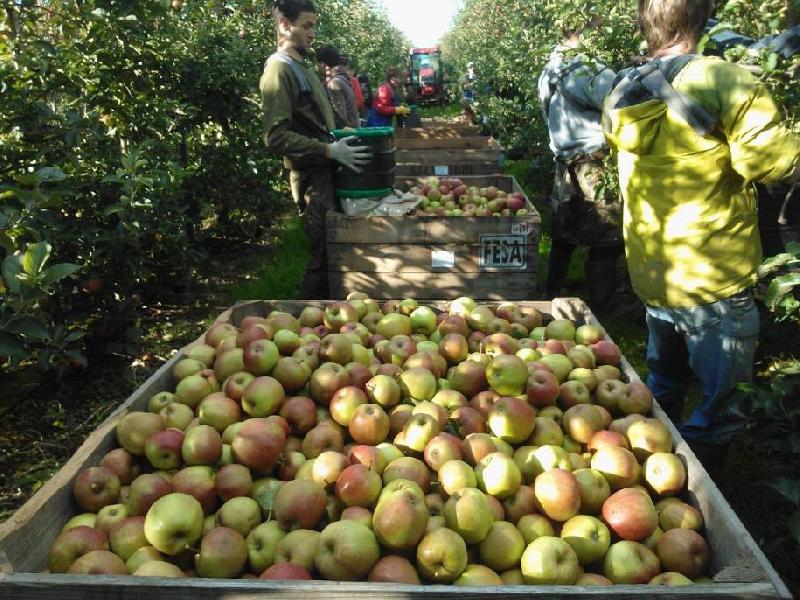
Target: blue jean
(716, 342)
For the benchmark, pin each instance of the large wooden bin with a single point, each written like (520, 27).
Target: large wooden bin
(436, 257)
(739, 567)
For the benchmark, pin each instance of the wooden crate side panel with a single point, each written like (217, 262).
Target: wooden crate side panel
(26, 537)
(101, 587)
(481, 286)
(457, 143)
(419, 258)
(437, 131)
(446, 156)
(450, 169)
(427, 229)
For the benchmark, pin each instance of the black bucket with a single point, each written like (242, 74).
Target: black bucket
(778, 217)
(379, 172)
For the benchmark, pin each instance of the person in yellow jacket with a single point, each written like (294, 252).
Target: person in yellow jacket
(298, 119)
(691, 135)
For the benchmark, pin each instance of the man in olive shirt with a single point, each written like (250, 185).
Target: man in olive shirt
(298, 118)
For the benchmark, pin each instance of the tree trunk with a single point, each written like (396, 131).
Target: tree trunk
(12, 20)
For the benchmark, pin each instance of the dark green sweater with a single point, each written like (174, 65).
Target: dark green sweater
(296, 123)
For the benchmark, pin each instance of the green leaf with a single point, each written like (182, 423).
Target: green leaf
(11, 346)
(11, 269)
(113, 209)
(794, 526)
(779, 288)
(35, 257)
(75, 335)
(773, 264)
(77, 356)
(45, 46)
(788, 488)
(770, 63)
(48, 174)
(58, 272)
(30, 327)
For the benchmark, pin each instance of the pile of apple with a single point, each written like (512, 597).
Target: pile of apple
(393, 443)
(450, 197)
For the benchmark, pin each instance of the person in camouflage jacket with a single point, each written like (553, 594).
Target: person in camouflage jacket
(572, 91)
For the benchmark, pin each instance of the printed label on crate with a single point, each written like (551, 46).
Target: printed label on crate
(440, 170)
(502, 252)
(443, 259)
(521, 228)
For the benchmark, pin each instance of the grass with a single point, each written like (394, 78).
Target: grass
(279, 279)
(439, 111)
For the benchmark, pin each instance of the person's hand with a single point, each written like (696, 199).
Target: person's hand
(402, 111)
(352, 157)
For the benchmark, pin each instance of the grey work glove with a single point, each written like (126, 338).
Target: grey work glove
(352, 157)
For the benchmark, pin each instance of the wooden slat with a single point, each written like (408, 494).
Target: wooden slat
(26, 536)
(446, 156)
(453, 169)
(463, 143)
(409, 258)
(484, 286)
(430, 130)
(425, 229)
(101, 587)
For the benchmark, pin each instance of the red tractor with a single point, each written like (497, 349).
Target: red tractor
(425, 76)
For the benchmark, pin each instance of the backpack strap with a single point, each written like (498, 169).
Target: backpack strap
(299, 74)
(656, 79)
(555, 84)
(305, 88)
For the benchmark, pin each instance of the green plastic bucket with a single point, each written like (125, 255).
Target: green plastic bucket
(378, 174)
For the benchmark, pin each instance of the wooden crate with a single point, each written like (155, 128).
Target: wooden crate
(454, 162)
(435, 257)
(473, 142)
(740, 568)
(438, 129)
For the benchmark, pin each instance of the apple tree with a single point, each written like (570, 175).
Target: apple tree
(150, 114)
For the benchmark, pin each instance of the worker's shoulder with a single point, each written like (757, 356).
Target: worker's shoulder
(279, 74)
(714, 72)
(276, 66)
(700, 64)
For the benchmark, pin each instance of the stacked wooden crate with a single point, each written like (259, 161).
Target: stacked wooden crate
(447, 150)
(437, 256)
